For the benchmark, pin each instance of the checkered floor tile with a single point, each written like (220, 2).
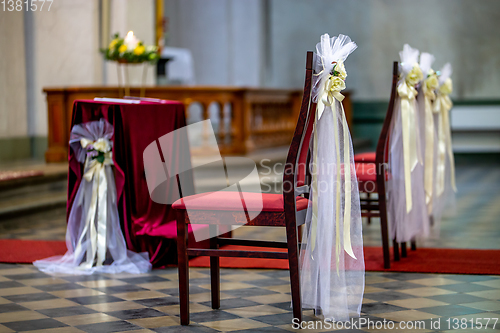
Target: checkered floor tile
(252, 301)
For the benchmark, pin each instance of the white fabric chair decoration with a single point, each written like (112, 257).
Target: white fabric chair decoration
(445, 163)
(407, 211)
(332, 267)
(425, 100)
(94, 237)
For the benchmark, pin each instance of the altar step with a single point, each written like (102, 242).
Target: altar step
(29, 187)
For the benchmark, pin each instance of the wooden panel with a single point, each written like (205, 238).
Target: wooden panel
(58, 133)
(241, 138)
(260, 118)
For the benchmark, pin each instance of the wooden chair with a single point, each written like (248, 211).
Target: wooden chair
(372, 177)
(283, 210)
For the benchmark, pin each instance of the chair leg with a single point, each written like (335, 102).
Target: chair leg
(293, 261)
(395, 246)
(413, 245)
(214, 269)
(384, 230)
(183, 266)
(403, 250)
(369, 218)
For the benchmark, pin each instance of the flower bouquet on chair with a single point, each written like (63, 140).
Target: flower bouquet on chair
(331, 257)
(94, 237)
(407, 212)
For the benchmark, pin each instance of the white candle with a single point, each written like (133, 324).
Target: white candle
(130, 40)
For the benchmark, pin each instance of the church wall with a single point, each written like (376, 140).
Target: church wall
(13, 109)
(225, 37)
(57, 48)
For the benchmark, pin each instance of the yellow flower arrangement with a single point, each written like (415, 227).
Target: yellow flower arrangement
(130, 50)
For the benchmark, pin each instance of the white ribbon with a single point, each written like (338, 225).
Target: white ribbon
(407, 93)
(442, 107)
(95, 172)
(429, 97)
(326, 100)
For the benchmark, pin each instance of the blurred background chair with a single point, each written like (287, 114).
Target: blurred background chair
(372, 177)
(178, 66)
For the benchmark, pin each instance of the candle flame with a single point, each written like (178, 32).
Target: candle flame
(130, 34)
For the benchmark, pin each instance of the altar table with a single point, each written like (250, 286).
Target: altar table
(147, 226)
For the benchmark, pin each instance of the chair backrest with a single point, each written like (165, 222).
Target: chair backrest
(381, 155)
(295, 181)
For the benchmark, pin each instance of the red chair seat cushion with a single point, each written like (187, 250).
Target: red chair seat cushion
(368, 157)
(231, 201)
(367, 177)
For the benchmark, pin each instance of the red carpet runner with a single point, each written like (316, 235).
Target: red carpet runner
(19, 251)
(424, 260)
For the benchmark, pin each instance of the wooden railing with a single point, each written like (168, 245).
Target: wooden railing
(247, 118)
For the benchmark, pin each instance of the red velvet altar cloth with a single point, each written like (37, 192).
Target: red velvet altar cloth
(147, 226)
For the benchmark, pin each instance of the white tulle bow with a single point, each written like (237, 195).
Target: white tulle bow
(330, 53)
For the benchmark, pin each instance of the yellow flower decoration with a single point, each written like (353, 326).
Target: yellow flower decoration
(432, 81)
(447, 87)
(139, 50)
(113, 43)
(335, 84)
(122, 48)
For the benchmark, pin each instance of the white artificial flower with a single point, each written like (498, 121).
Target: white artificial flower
(432, 82)
(341, 69)
(335, 84)
(102, 145)
(415, 75)
(447, 87)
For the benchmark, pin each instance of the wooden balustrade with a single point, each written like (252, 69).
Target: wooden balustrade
(247, 118)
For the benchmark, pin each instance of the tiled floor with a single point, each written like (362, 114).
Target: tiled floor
(252, 301)
(257, 300)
